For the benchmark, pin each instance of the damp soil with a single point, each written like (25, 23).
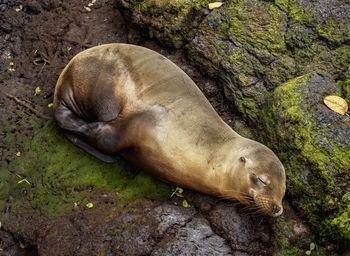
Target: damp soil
(37, 39)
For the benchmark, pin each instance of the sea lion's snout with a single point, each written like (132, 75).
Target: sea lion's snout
(277, 211)
(267, 206)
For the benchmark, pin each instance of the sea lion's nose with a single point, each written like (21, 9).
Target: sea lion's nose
(277, 210)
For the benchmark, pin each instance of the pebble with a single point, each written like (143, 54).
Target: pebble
(6, 27)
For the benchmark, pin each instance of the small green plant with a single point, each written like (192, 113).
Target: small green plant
(22, 180)
(312, 247)
(178, 192)
(37, 91)
(185, 203)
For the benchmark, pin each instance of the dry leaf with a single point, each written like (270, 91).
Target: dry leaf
(336, 103)
(18, 154)
(214, 5)
(21, 245)
(19, 9)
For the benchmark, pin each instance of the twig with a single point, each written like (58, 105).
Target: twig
(22, 103)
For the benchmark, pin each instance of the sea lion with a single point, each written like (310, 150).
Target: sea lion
(126, 99)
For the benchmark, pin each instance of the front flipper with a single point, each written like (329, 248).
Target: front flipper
(99, 139)
(108, 158)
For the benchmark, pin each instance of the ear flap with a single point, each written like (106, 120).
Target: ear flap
(242, 159)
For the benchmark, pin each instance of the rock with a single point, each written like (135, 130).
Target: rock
(33, 6)
(169, 21)
(6, 27)
(128, 231)
(241, 230)
(196, 238)
(289, 230)
(314, 142)
(169, 215)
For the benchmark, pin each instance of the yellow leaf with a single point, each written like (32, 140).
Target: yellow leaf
(214, 5)
(336, 103)
(50, 105)
(87, 8)
(18, 154)
(21, 245)
(89, 205)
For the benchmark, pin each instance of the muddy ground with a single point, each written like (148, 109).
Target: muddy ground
(37, 39)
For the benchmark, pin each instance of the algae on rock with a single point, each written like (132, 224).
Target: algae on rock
(314, 143)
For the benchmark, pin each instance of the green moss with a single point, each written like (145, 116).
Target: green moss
(345, 87)
(237, 57)
(315, 163)
(144, 185)
(289, 243)
(171, 20)
(61, 174)
(259, 24)
(340, 59)
(299, 13)
(340, 224)
(335, 31)
(290, 251)
(249, 108)
(282, 4)
(304, 129)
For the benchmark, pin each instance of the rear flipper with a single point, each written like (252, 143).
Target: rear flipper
(108, 158)
(100, 139)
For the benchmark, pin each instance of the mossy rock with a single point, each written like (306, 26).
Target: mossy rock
(251, 46)
(170, 21)
(52, 174)
(313, 143)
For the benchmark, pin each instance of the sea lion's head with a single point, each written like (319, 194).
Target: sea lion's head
(264, 181)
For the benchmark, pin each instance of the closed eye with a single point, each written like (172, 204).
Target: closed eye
(263, 182)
